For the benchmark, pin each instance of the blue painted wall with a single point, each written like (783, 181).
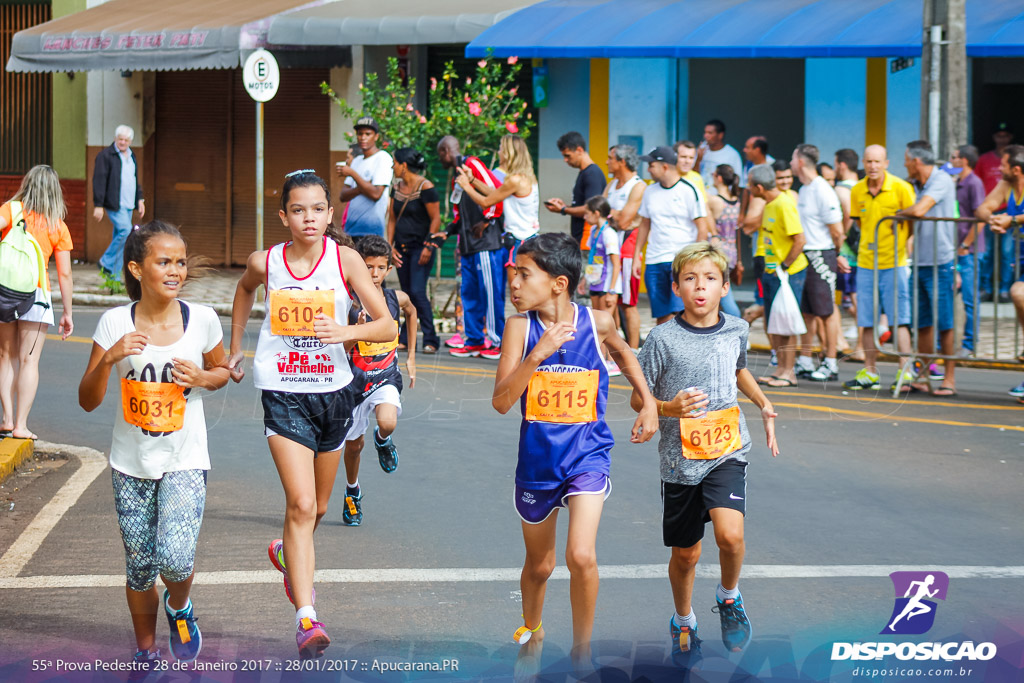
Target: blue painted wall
(568, 103)
(834, 106)
(903, 125)
(640, 101)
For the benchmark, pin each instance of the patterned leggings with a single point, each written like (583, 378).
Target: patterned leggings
(159, 520)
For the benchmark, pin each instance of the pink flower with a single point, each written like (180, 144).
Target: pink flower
(513, 91)
(469, 81)
(474, 109)
(433, 84)
(482, 63)
(511, 127)
(466, 98)
(408, 107)
(513, 60)
(423, 119)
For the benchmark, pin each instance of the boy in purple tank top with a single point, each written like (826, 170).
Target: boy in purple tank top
(552, 364)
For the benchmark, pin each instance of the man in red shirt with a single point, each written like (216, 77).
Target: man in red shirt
(988, 163)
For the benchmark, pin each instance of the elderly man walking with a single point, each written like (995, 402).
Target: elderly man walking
(116, 188)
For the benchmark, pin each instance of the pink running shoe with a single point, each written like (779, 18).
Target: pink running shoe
(312, 639)
(455, 341)
(276, 553)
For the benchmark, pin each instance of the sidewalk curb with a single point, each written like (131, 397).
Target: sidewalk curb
(14, 452)
(892, 358)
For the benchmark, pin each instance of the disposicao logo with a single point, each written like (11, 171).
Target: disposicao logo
(913, 614)
(916, 592)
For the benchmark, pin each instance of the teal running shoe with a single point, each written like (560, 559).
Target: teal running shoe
(735, 625)
(186, 639)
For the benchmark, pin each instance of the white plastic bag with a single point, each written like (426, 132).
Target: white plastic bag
(785, 319)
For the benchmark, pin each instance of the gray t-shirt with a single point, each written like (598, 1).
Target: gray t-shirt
(677, 356)
(940, 187)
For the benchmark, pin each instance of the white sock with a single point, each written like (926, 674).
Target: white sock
(304, 612)
(832, 364)
(172, 611)
(805, 362)
(688, 621)
(353, 486)
(726, 594)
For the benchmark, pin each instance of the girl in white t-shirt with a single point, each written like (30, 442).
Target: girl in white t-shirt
(302, 370)
(165, 352)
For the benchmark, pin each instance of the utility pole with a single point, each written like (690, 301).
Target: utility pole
(944, 115)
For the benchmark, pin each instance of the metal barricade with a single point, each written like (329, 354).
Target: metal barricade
(914, 359)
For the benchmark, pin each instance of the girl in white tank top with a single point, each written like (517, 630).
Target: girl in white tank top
(518, 195)
(302, 369)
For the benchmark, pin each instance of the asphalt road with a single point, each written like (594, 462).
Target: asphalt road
(864, 485)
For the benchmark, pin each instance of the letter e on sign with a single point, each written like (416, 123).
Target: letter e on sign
(261, 76)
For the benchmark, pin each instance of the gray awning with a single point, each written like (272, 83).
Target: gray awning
(149, 35)
(391, 22)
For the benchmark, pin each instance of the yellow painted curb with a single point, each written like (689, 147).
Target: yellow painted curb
(13, 452)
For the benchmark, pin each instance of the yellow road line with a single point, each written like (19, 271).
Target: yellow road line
(898, 418)
(457, 371)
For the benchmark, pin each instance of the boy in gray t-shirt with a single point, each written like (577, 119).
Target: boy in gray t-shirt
(695, 364)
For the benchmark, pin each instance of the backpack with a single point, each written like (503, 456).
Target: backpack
(22, 269)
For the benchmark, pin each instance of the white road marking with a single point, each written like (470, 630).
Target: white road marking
(22, 550)
(94, 462)
(511, 574)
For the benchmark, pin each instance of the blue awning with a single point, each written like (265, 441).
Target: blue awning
(741, 28)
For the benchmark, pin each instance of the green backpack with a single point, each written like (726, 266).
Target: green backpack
(22, 268)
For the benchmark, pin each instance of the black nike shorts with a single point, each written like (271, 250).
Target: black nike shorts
(685, 507)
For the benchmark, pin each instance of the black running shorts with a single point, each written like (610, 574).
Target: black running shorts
(317, 421)
(819, 295)
(685, 507)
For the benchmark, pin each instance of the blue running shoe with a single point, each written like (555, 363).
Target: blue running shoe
(387, 454)
(735, 625)
(1017, 391)
(684, 638)
(186, 639)
(144, 662)
(352, 515)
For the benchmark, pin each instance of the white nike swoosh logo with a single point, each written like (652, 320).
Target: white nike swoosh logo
(733, 496)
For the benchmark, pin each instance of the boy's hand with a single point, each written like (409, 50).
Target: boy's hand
(410, 365)
(328, 330)
(235, 368)
(552, 340)
(768, 414)
(130, 344)
(646, 424)
(689, 402)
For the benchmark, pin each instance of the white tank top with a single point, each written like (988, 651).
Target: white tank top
(521, 214)
(618, 196)
(303, 365)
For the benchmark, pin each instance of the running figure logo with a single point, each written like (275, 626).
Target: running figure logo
(914, 612)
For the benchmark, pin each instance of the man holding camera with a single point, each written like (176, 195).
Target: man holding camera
(480, 247)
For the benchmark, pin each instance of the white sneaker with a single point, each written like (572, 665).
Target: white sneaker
(824, 374)
(851, 332)
(613, 368)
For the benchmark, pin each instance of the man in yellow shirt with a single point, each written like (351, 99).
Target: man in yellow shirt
(877, 195)
(783, 239)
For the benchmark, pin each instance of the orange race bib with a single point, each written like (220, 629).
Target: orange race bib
(712, 436)
(562, 397)
(153, 406)
(371, 349)
(292, 311)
